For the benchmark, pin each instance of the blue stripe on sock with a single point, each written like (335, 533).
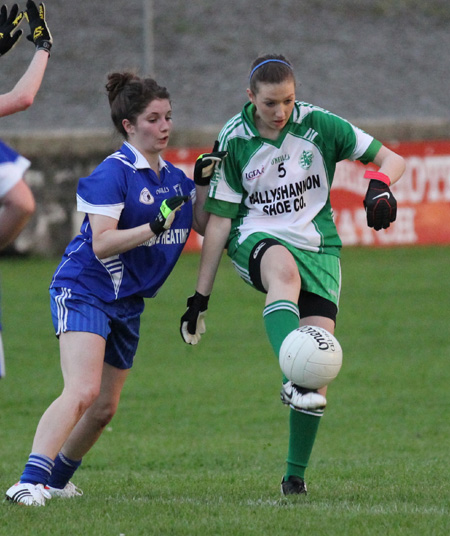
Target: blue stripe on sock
(37, 470)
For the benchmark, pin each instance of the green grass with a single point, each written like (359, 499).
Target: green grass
(199, 442)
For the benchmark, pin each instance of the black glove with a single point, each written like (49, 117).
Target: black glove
(7, 25)
(166, 214)
(206, 163)
(40, 34)
(380, 205)
(192, 325)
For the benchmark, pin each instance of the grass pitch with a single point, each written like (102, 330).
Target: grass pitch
(199, 442)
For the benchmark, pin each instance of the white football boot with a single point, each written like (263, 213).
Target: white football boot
(69, 491)
(28, 494)
(299, 398)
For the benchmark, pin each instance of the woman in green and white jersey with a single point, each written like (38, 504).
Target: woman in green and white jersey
(269, 204)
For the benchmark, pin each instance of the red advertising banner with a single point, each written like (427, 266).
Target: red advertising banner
(423, 196)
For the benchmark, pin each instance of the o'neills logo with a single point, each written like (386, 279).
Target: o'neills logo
(323, 342)
(254, 174)
(280, 159)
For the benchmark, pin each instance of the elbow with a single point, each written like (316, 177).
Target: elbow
(25, 207)
(99, 252)
(402, 165)
(28, 203)
(24, 102)
(198, 228)
(31, 207)
(200, 222)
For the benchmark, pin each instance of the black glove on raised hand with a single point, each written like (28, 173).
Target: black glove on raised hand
(7, 25)
(192, 325)
(380, 204)
(40, 34)
(167, 212)
(205, 165)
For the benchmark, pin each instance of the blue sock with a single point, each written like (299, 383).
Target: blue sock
(63, 471)
(37, 470)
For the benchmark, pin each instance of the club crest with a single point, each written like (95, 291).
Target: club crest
(306, 159)
(146, 197)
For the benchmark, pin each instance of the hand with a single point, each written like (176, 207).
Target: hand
(167, 212)
(380, 205)
(7, 24)
(206, 163)
(40, 34)
(192, 325)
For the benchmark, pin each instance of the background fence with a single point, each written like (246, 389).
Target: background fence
(423, 194)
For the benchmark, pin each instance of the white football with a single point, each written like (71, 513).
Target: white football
(311, 357)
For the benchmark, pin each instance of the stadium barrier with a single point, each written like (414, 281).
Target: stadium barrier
(423, 197)
(60, 158)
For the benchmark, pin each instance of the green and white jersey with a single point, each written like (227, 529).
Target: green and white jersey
(282, 187)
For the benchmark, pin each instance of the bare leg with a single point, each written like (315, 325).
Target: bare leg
(82, 357)
(279, 275)
(98, 415)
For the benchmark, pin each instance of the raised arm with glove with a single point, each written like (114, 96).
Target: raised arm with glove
(380, 204)
(8, 24)
(40, 34)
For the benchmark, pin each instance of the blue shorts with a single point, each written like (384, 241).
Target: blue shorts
(117, 322)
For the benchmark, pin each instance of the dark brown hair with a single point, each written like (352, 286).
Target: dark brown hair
(129, 95)
(270, 69)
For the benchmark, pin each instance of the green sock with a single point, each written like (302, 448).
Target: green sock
(280, 318)
(303, 431)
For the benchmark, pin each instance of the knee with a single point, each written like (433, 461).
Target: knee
(103, 413)
(82, 398)
(288, 274)
(279, 269)
(285, 275)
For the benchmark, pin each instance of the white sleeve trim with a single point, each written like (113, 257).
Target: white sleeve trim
(227, 196)
(363, 140)
(113, 211)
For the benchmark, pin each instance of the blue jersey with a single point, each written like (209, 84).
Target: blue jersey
(12, 168)
(124, 187)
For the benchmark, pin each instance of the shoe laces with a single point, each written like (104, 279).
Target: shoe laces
(72, 490)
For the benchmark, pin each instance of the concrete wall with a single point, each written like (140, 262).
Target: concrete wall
(59, 159)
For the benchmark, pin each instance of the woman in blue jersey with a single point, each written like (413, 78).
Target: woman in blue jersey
(270, 207)
(17, 203)
(139, 210)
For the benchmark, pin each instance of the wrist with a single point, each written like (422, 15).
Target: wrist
(44, 45)
(378, 176)
(201, 181)
(201, 299)
(156, 226)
